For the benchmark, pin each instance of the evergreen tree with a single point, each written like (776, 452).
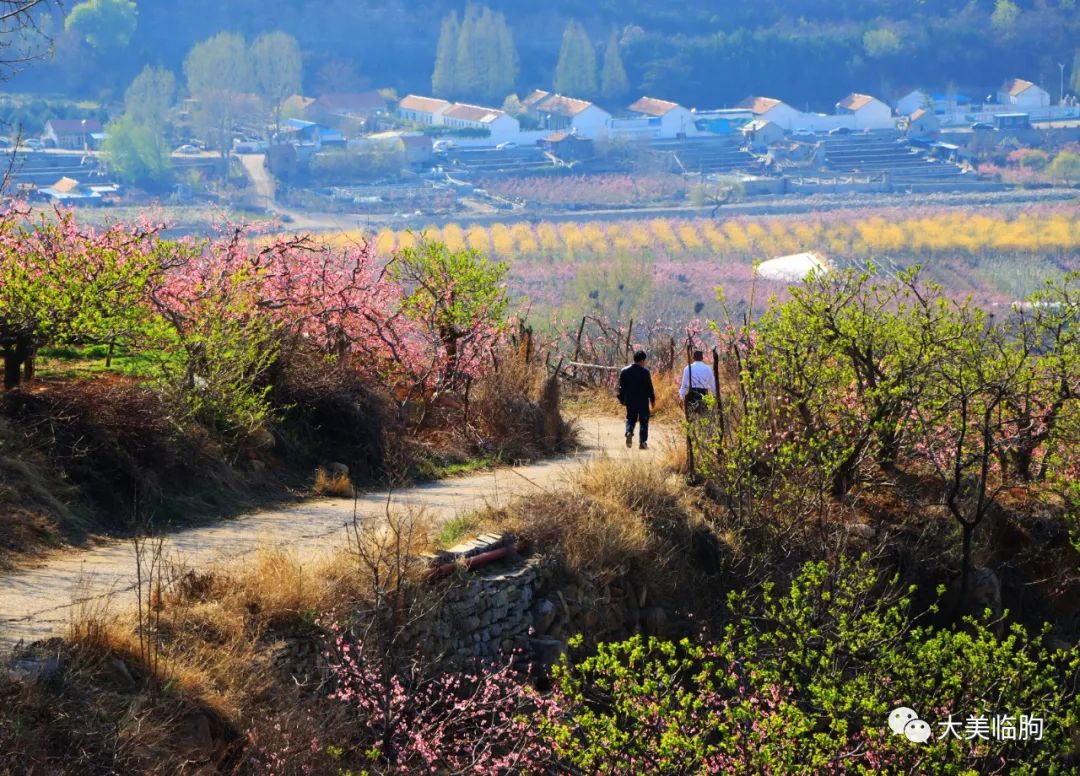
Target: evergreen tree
(613, 81)
(476, 59)
(575, 74)
(505, 74)
(444, 78)
(467, 73)
(1075, 76)
(484, 53)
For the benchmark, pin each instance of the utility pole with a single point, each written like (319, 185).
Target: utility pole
(1061, 83)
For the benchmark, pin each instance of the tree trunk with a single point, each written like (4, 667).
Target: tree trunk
(1022, 462)
(889, 450)
(12, 368)
(965, 566)
(29, 365)
(691, 468)
(15, 357)
(719, 401)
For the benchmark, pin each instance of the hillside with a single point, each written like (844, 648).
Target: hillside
(873, 512)
(809, 53)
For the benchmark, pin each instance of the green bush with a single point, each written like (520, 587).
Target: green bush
(804, 681)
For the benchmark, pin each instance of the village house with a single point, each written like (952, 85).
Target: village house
(923, 123)
(415, 147)
(300, 132)
(338, 107)
(912, 101)
(759, 134)
(868, 112)
(771, 109)
(669, 119)
(1023, 94)
(422, 110)
(499, 124)
(952, 102)
(557, 112)
(569, 147)
(72, 134)
(68, 191)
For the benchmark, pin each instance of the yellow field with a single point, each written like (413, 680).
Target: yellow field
(954, 232)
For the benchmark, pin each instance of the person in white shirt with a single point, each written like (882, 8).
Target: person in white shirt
(697, 383)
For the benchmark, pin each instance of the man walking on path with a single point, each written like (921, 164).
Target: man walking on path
(697, 383)
(636, 392)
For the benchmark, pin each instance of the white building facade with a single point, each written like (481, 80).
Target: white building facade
(422, 110)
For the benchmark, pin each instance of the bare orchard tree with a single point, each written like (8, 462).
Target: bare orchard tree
(24, 38)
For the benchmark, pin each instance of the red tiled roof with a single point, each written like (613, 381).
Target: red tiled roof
(759, 105)
(855, 101)
(472, 112)
(562, 106)
(423, 104)
(1016, 86)
(535, 96)
(653, 107)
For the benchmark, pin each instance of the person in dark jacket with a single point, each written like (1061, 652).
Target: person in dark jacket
(636, 392)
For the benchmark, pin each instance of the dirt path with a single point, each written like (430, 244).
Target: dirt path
(39, 602)
(299, 221)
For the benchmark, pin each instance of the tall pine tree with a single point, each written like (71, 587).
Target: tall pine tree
(575, 74)
(444, 78)
(1075, 75)
(613, 81)
(476, 59)
(468, 70)
(505, 75)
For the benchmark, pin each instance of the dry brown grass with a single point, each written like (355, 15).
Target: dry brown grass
(666, 387)
(615, 518)
(604, 401)
(516, 412)
(222, 631)
(216, 658)
(336, 485)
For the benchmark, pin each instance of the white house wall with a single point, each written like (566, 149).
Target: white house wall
(634, 129)
(874, 115)
(677, 121)
(591, 123)
(1032, 98)
(783, 115)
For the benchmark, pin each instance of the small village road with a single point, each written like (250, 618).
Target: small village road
(40, 601)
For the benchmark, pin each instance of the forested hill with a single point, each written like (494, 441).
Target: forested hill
(703, 53)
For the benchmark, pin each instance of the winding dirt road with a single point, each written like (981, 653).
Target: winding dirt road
(40, 602)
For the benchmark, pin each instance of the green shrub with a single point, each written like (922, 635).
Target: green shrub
(804, 682)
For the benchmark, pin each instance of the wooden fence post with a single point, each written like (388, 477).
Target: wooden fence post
(719, 398)
(577, 343)
(691, 469)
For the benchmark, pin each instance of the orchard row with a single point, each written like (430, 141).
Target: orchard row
(963, 232)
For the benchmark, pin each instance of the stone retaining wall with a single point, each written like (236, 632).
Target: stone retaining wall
(519, 605)
(483, 613)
